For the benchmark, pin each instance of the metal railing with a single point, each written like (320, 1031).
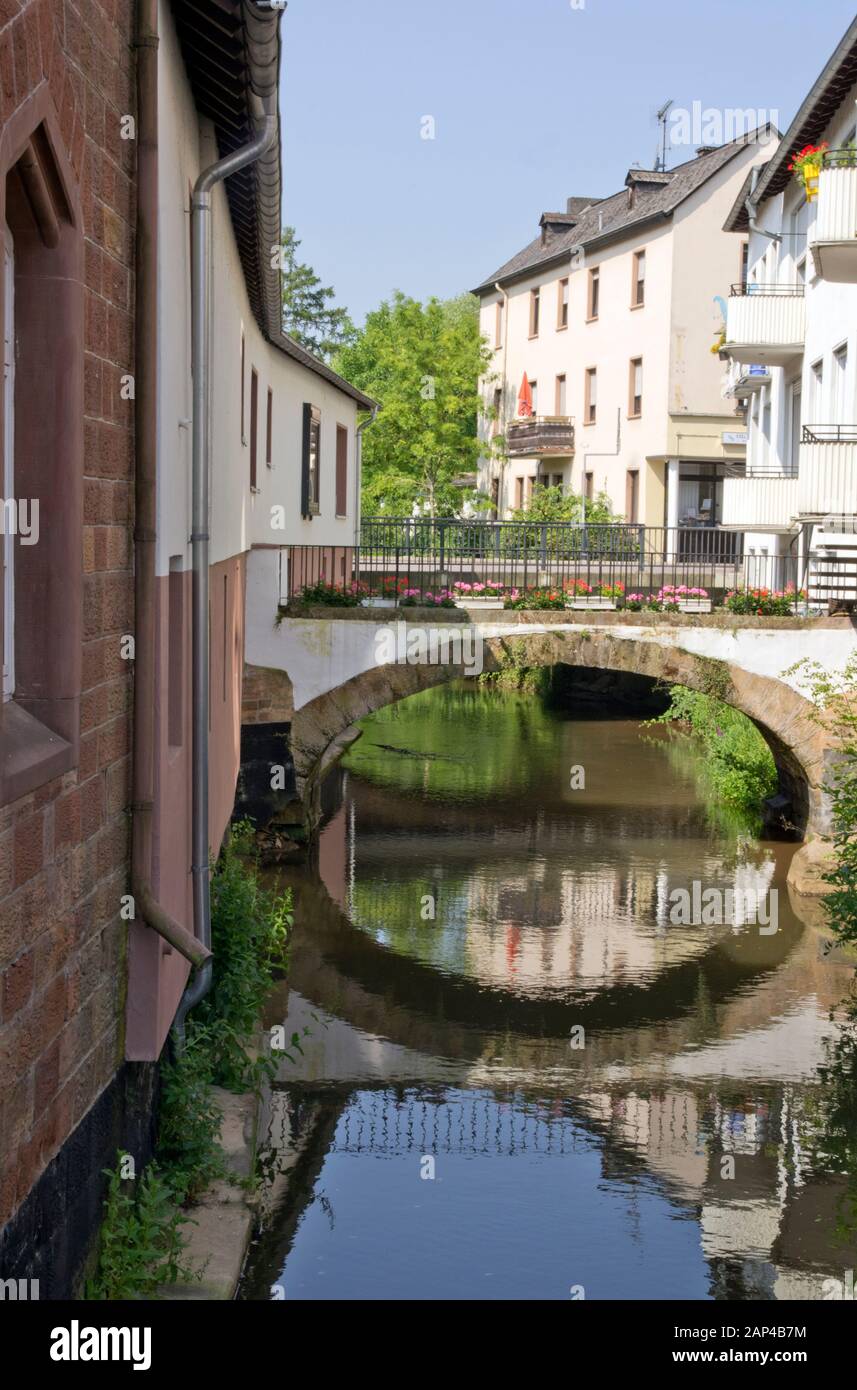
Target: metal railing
(428, 556)
(843, 158)
(740, 291)
(828, 434)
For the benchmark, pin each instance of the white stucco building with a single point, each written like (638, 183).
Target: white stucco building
(792, 340)
(611, 311)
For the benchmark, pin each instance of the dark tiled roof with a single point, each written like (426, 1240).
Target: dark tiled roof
(615, 216)
(231, 49)
(821, 104)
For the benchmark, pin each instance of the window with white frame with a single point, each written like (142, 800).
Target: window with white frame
(838, 386)
(816, 392)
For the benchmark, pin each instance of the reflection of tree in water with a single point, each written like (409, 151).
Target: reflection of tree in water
(832, 1115)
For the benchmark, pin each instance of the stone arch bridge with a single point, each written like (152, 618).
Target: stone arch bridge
(308, 680)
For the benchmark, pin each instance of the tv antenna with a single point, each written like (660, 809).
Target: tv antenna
(661, 155)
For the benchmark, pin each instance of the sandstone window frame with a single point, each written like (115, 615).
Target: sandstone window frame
(41, 205)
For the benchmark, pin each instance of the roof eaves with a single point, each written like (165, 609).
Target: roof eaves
(821, 102)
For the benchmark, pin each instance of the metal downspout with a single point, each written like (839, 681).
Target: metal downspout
(266, 123)
(358, 470)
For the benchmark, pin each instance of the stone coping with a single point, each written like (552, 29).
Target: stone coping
(720, 619)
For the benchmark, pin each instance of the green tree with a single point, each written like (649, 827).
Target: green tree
(422, 362)
(308, 314)
(559, 504)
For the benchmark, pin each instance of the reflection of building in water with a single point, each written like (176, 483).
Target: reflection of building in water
(767, 1221)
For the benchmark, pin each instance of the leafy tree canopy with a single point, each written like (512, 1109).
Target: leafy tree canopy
(555, 504)
(422, 363)
(309, 316)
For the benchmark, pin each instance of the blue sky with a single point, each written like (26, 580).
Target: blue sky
(532, 100)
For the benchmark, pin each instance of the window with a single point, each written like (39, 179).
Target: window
(589, 486)
(590, 396)
(816, 392)
(838, 393)
(638, 285)
(562, 304)
(745, 262)
(635, 388)
(496, 410)
(632, 495)
(534, 391)
(243, 360)
(341, 470)
(310, 461)
(8, 532)
(269, 430)
(41, 415)
(175, 653)
(794, 426)
(560, 407)
(535, 303)
(594, 292)
(498, 323)
(254, 426)
(556, 480)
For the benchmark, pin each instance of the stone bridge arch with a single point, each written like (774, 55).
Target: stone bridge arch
(323, 727)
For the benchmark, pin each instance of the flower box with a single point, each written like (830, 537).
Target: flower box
(468, 602)
(695, 605)
(592, 601)
(379, 603)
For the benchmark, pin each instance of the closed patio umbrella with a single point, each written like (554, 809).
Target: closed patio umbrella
(525, 398)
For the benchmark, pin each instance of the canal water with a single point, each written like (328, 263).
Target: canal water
(518, 1069)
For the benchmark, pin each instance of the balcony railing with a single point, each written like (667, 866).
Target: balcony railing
(429, 555)
(828, 470)
(765, 324)
(537, 435)
(763, 500)
(833, 239)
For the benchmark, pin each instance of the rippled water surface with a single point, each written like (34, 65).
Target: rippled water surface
(517, 1077)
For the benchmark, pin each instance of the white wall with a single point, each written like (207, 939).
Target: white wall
(239, 517)
(689, 259)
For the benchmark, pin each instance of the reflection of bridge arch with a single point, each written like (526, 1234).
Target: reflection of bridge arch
(347, 973)
(781, 714)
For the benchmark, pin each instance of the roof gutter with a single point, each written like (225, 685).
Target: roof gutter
(266, 123)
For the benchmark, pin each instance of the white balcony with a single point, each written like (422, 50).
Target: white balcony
(833, 241)
(828, 471)
(765, 324)
(741, 381)
(767, 503)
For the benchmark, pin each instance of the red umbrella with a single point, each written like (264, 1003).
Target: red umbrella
(525, 398)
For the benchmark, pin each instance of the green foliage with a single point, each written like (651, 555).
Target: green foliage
(336, 595)
(422, 363)
(141, 1242)
(764, 603)
(560, 504)
(536, 598)
(835, 701)
(249, 937)
(739, 765)
(308, 315)
(189, 1118)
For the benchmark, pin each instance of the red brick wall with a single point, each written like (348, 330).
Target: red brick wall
(64, 848)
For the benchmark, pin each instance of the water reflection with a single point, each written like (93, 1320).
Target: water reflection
(698, 1145)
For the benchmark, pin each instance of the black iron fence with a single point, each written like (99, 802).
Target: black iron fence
(398, 554)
